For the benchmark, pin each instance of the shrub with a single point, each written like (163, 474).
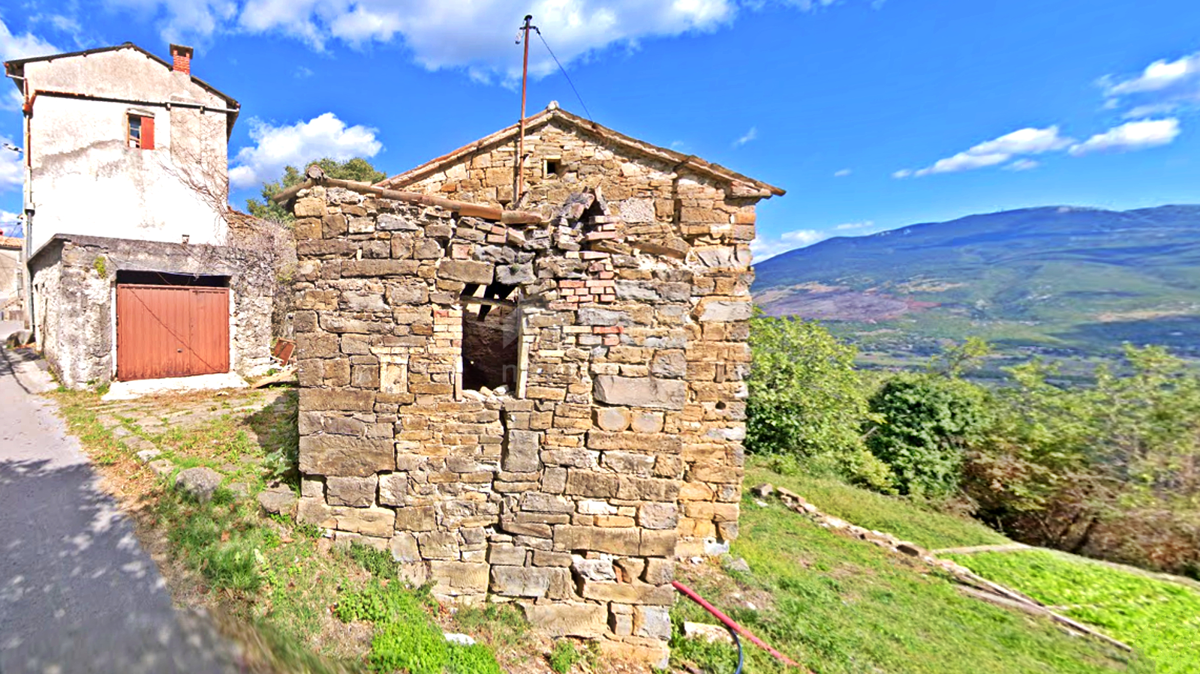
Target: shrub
(926, 422)
(807, 400)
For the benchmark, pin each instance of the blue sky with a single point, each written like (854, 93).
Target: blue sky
(873, 114)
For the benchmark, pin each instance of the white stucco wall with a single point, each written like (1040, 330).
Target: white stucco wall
(84, 177)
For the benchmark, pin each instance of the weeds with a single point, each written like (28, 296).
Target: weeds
(564, 657)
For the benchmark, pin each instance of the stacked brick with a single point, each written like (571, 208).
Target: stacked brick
(617, 450)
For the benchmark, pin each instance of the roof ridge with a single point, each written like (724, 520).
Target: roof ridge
(13, 65)
(555, 112)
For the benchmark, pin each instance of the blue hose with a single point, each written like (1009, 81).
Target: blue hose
(737, 642)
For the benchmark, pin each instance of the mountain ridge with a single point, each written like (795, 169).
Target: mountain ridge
(1079, 280)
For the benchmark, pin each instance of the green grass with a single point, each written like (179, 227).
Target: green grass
(1158, 617)
(902, 517)
(839, 605)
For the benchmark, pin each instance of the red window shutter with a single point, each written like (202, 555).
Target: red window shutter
(147, 133)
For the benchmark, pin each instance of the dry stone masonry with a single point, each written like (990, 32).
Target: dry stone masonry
(546, 413)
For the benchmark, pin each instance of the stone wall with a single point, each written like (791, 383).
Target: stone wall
(667, 210)
(617, 448)
(74, 280)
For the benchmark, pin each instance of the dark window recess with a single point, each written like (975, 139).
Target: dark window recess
(157, 278)
(140, 132)
(553, 167)
(491, 337)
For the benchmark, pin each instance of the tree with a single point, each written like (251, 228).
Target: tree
(1111, 470)
(806, 399)
(927, 423)
(356, 169)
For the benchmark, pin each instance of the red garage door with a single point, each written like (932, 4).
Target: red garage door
(171, 331)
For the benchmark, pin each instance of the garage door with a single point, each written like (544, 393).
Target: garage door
(171, 331)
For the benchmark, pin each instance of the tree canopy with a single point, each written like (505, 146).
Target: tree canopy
(357, 169)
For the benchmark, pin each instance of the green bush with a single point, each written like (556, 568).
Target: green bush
(926, 423)
(807, 400)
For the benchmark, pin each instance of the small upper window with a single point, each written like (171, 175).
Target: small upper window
(552, 167)
(140, 131)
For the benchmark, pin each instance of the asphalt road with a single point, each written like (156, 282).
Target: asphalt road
(77, 591)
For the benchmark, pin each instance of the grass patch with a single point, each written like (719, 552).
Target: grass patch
(903, 517)
(1158, 617)
(564, 657)
(406, 637)
(839, 605)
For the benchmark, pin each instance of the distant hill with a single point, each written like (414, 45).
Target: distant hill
(1057, 280)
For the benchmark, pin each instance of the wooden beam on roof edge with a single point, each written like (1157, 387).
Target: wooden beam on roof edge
(461, 207)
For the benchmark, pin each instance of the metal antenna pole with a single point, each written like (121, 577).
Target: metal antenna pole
(520, 164)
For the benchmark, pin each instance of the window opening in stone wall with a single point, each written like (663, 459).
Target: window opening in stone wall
(491, 338)
(140, 131)
(552, 167)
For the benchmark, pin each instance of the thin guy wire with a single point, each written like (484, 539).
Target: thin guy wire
(586, 112)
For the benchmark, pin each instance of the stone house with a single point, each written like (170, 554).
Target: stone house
(531, 389)
(11, 278)
(131, 271)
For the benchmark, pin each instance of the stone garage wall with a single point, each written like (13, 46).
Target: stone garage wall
(572, 492)
(73, 282)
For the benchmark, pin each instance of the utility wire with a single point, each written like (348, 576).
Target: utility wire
(586, 112)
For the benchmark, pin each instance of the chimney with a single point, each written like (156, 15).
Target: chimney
(182, 58)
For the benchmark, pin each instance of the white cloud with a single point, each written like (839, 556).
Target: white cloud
(1025, 141)
(278, 146)
(842, 173)
(1162, 87)
(1136, 135)
(746, 137)
(855, 225)
(182, 20)
(1157, 76)
(302, 72)
(12, 167)
(765, 248)
(21, 46)
(475, 36)
(1022, 165)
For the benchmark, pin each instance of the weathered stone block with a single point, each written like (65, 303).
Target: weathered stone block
(404, 548)
(517, 581)
(459, 577)
(597, 539)
(612, 419)
(592, 484)
(546, 503)
(366, 521)
(567, 619)
(640, 392)
(502, 554)
(658, 516)
(653, 622)
(628, 593)
(346, 456)
(724, 312)
(466, 271)
(358, 492)
(339, 400)
(416, 518)
(521, 451)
